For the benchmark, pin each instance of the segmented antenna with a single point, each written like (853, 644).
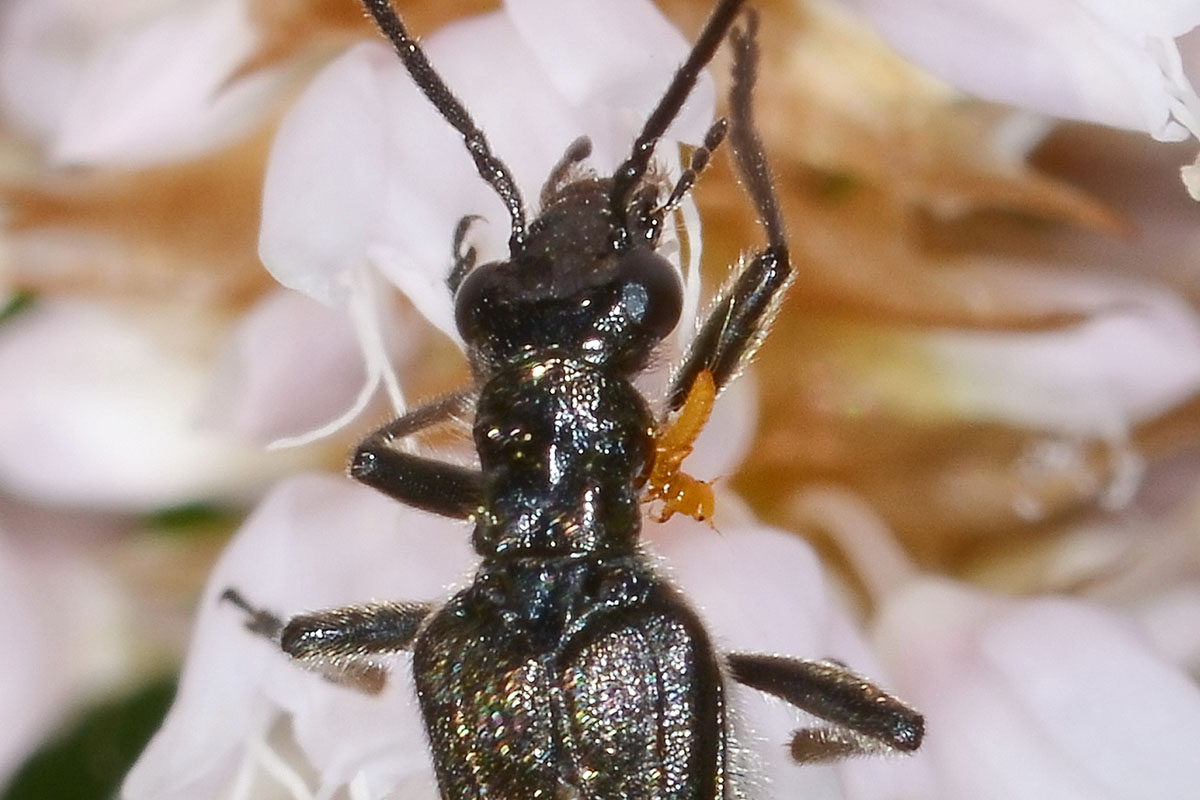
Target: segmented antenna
(491, 168)
(629, 173)
(747, 147)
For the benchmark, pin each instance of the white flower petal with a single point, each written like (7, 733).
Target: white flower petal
(34, 684)
(97, 411)
(325, 184)
(70, 621)
(1170, 621)
(160, 92)
(612, 62)
(292, 364)
(218, 703)
(1064, 690)
(1099, 378)
(45, 48)
(1091, 60)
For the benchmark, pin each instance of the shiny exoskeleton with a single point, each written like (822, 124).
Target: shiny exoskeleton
(568, 668)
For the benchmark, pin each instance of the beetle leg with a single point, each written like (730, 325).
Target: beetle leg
(342, 644)
(425, 483)
(863, 719)
(738, 321)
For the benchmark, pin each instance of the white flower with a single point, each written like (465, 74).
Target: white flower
(1090, 60)
(100, 411)
(1043, 697)
(289, 365)
(69, 621)
(1115, 63)
(155, 81)
(1047, 697)
(33, 684)
(44, 51)
(1133, 359)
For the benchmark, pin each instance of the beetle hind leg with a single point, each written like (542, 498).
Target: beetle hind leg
(862, 718)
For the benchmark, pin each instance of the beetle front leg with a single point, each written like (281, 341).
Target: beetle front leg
(421, 482)
(738, 321)
(863, 718)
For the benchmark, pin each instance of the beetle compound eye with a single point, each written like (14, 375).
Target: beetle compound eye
(471, 294)
(651, 291)
(477, 297)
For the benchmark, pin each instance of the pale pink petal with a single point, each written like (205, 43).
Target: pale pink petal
(97, 409)
(34, 684)
(45, 48)
(612, 62)
(324, 203)
(324, 185)
(69, 621)
(1124, 365)
(292, 365)
(1170, 621)
(1089, 60)
(1040, 698)
(161, 91)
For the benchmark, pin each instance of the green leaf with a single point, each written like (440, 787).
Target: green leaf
(88, 760)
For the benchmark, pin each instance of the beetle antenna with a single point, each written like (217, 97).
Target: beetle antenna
(629, 173)
(491, 168)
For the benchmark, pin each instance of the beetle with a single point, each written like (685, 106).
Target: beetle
(569, 668)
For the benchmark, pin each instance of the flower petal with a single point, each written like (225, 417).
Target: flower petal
(34, 684)
(292, 364)
(1066, 691)
(159, 92)
(98, 411)
(70, 618)
(612, 62)
(45, 48)
(1099, 378)
(1089, 60)
(314, 232)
